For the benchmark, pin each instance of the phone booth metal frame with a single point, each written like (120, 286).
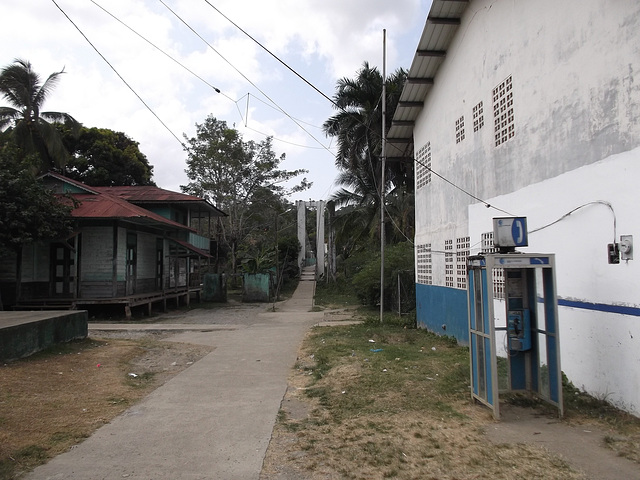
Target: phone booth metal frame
(531, 333)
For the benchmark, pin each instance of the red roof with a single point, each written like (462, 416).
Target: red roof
(152, 194)
(102, 206)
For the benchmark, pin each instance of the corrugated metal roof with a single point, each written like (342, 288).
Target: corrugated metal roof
(441, 26)
(156, 195)
(105, 206)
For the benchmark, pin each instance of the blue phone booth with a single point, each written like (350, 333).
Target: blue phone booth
(513, 309)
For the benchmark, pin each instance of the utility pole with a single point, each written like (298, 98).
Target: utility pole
(382, 174)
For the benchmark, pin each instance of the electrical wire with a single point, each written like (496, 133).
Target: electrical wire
(120, 76)
(272, 54)
(596, 202)
(276, 106)
(217, 90)
(238, 71)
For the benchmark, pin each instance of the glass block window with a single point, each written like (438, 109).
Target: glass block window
(498, 282)
(448, 263)
(424, 264)
(478, 117)
(423, 166)
(462, 254)
(460, 129)
(487, 243)
(503, 112)
(498, 273)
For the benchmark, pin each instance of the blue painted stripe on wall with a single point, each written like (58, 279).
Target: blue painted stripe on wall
(437, 306)
(600, 307)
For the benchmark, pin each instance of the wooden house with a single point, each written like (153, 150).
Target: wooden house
(130, 246)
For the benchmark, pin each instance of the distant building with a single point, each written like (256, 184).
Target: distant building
(533, 108)
(132, 246)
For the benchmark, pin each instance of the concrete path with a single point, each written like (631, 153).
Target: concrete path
(213, 420)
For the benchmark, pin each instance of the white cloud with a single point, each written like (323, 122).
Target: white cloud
(322, 39)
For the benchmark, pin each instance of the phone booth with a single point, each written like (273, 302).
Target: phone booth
(513, 309)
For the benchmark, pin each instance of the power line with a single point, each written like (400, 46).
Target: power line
(217, 90)
(120, 76)
(484, 202)
(238, 71)
(596, 202)
(272, 54)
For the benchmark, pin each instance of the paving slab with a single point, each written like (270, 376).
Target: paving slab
(213, 420)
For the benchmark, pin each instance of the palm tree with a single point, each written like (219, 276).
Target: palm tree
(23, 121)
(358, 124)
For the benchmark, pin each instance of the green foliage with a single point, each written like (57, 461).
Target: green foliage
(29, 128)
(244, 179)
(28, 212)
(288, 249)
(103, 157)
(366, 282)
(335, 295)
(260, 262)
(357, 128)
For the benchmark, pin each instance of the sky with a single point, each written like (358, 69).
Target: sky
(155, 101)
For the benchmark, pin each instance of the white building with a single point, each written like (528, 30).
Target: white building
(533, 108)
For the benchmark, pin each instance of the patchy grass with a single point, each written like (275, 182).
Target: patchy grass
(339, 294)
(388, 401)
(53, 400)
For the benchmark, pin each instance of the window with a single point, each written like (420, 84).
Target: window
(462, 254)
(460, 129)
(448, 263)
(424, 264)
(498, 273)
(423, 166)
(478, 117)
(503, 112)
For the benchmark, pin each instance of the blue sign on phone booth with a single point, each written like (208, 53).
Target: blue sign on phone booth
(510, 232)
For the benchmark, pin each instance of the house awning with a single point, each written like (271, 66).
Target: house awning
(195, 251)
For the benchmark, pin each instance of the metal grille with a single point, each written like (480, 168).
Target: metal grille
(448, 263)
(503, 112)
(478, 117)
(460, 129)
(423, 166)
(462, 254)
(424, 264)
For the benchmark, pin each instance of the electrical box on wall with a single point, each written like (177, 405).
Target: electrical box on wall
(626, 247)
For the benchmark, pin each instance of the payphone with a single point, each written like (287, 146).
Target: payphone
(512, 296)
(519, 330)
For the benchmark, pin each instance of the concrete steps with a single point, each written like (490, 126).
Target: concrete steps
(308, 274)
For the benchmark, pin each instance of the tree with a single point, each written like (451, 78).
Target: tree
(101, 157)
(27, 125)
(243, 179)
(358, 129)
(358, 124)
(28, 212)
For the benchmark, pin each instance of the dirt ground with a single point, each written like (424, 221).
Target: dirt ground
(51, 402)
(525, 443)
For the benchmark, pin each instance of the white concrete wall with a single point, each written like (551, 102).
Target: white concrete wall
(574, 66)
(600, 351)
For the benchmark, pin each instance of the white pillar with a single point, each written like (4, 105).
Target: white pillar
(320, 250)
(302, 231)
